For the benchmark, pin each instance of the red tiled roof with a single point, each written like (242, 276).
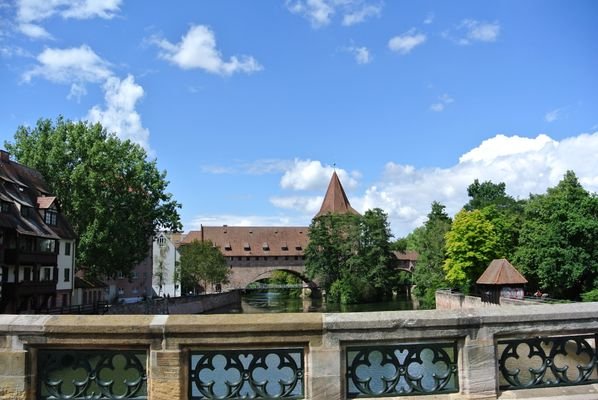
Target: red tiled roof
(237, 241)
(45, 202)
(336, 201)
(501, 272)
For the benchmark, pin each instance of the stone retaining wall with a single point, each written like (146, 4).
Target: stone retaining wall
(169, 339)
(180, 305)
(448, 300)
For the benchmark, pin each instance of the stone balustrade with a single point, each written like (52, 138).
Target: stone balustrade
(323, 351)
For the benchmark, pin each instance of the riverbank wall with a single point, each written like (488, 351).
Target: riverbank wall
(180, 305)
(448, 300)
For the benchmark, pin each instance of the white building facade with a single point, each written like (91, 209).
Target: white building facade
(165, 261)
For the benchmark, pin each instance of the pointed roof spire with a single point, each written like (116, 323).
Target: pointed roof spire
(336, 201)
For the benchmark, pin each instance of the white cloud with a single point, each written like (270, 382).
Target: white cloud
(442, 102)
(403, 44)
(34, 31)
(77, 64)
(429, 19)
(361, 54)
(360, 15)
(312, 175)
(120, 115)
(31, 12)
(553, 115)
(470, 30)
(321, 12)
(243, 220)
(197, 50)
(257, 167)
(526, 165)
(309, 205)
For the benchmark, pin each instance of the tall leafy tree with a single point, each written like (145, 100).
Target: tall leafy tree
(351, 256)
(429, 242)
(558, 240)
(112, 195)
(201, 264)
(503, 211)
(471, 244)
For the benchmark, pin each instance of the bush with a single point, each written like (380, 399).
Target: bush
(592, 295)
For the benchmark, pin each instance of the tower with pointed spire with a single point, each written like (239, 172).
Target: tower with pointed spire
(335, 200)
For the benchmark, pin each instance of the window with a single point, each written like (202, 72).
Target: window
(67, 274)
(50, 217)
(119, 275)
(134, 275)
(46, 245)
(46, 274)
(161, 241)
(67, 249)
(27, 274)
(5, 206)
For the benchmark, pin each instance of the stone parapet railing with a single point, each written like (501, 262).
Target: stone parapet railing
(450, 300)
(321, 350)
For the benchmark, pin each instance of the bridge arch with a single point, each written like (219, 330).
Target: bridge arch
(241, 277)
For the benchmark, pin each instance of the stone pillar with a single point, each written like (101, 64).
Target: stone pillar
(478, 366)
(324, 370)
(165, 380)
(13, 378)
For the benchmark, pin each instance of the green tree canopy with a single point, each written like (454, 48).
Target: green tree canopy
(202, 264)
(558, 244)
(114, 198)
(429, 242)
(471, 244)
(350, 255)
(503, 211)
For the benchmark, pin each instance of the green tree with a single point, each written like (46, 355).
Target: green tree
(503, 211)
(557, 249)
(471, 244)
(201, 264)
(350, 256)
(114, 198)
(429, 240)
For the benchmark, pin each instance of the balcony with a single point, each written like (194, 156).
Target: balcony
(16, 256)
(28, 288)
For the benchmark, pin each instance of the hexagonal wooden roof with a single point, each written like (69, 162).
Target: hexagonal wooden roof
(501, 272)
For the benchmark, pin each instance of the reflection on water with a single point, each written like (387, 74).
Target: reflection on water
(273, 301)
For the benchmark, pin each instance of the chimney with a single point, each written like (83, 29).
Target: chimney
(4, 156)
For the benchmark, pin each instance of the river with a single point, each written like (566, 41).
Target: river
(273, 301)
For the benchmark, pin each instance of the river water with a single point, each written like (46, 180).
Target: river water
(274, 301)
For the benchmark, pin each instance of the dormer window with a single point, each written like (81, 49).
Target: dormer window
(246, 246)
(265, 246)
(284, 246)
(227, 247)
(51, 217)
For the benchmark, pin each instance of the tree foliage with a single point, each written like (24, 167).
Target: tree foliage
(114, 198)
(471, 244)
(351, 257)
(504, 212)
(558, 239)
(201, 264)
(429, 240)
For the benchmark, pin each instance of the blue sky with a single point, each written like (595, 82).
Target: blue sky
(248, 105)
